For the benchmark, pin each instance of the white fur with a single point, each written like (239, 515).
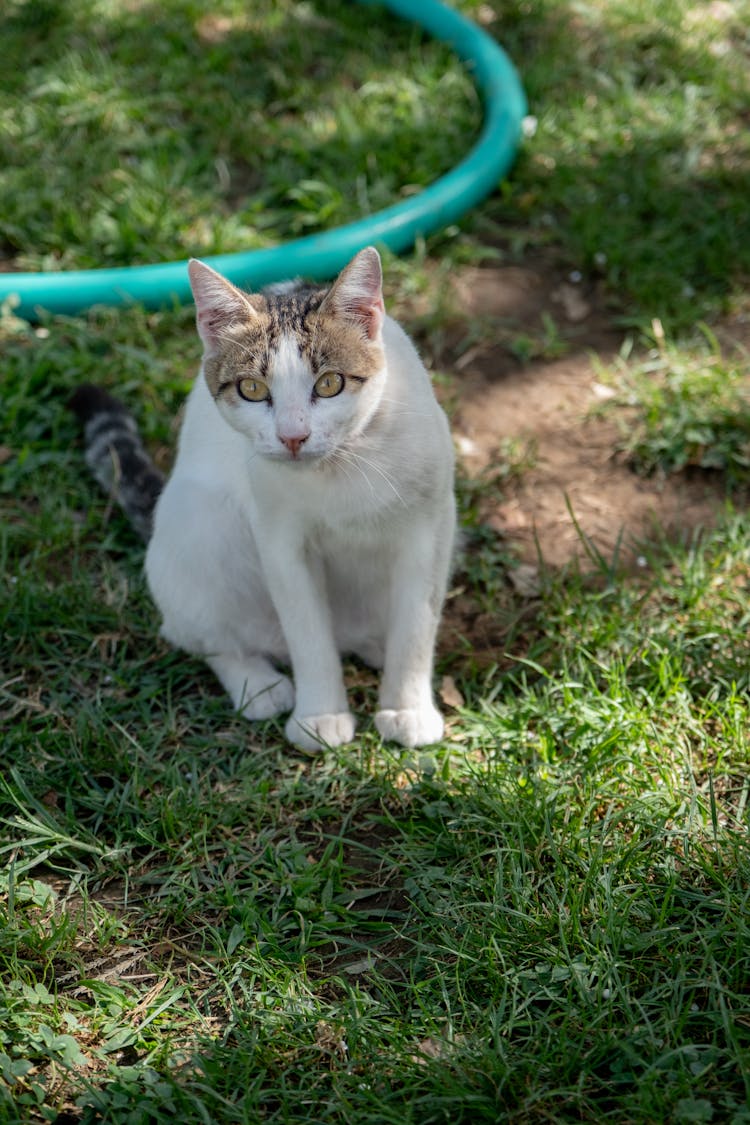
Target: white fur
(258, 558)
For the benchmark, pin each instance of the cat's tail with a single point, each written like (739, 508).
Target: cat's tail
(115, 454)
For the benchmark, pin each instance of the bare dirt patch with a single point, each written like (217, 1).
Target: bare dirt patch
(577, 485)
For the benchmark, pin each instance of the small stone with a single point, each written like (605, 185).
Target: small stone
(525, 580)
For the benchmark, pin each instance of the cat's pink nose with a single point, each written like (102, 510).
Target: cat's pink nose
(294, 442)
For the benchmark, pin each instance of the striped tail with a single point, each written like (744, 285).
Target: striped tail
(116, 456)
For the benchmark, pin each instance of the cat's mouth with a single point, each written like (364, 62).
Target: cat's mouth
(295, 457)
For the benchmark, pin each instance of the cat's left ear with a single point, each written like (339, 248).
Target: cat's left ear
(357, 293)
(218, 303)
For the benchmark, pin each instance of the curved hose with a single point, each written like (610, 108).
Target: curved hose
(322, 255)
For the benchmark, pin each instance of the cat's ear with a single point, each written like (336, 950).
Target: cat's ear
(218, 303)
(357, 293)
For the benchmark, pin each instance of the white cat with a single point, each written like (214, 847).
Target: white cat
(310, 511)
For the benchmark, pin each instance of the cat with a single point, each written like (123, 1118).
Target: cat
(310, 511)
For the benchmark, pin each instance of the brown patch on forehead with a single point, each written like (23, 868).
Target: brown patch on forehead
(328, 341)
(338, 344)
(243, 351)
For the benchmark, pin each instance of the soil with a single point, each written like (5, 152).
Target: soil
(577, 500)
(578, 485)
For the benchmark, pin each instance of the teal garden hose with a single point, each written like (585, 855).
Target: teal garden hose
(321, 256)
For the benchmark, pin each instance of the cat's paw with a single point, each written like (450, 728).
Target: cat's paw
(413, 727)
(269, 701)
(313, 732)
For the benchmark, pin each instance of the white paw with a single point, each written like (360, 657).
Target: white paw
(414, 727)
(268, 701)
(313, 732)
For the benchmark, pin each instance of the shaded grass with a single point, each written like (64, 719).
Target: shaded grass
(639, 167)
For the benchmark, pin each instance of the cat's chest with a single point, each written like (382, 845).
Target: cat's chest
(351, 497)
(327, 525)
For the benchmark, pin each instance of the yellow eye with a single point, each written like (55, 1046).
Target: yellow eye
(329, 385)
(253, 390)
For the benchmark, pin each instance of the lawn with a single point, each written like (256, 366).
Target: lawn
(543, 919)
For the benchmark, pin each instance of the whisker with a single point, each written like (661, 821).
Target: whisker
(346, 457)
(379, 470)
(406, 413)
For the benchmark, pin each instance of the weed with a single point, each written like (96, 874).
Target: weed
(686, 408)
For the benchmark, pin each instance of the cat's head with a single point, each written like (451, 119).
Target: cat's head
(298, 370)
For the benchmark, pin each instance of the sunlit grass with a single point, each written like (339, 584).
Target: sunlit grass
(168, 115)
(684, 407)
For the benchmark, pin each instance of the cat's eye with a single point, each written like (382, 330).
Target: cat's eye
(253, 390)
(329, 385)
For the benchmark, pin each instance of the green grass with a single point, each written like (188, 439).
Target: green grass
(684, 408)
(545, 919)
(168, 113)
(639, 166)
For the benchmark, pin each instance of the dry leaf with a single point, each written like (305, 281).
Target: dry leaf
(450, 694)
(430, 1048)
(574, 305)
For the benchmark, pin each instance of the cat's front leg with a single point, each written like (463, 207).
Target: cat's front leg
(321, 715)
(407, 713)
(314, 732)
